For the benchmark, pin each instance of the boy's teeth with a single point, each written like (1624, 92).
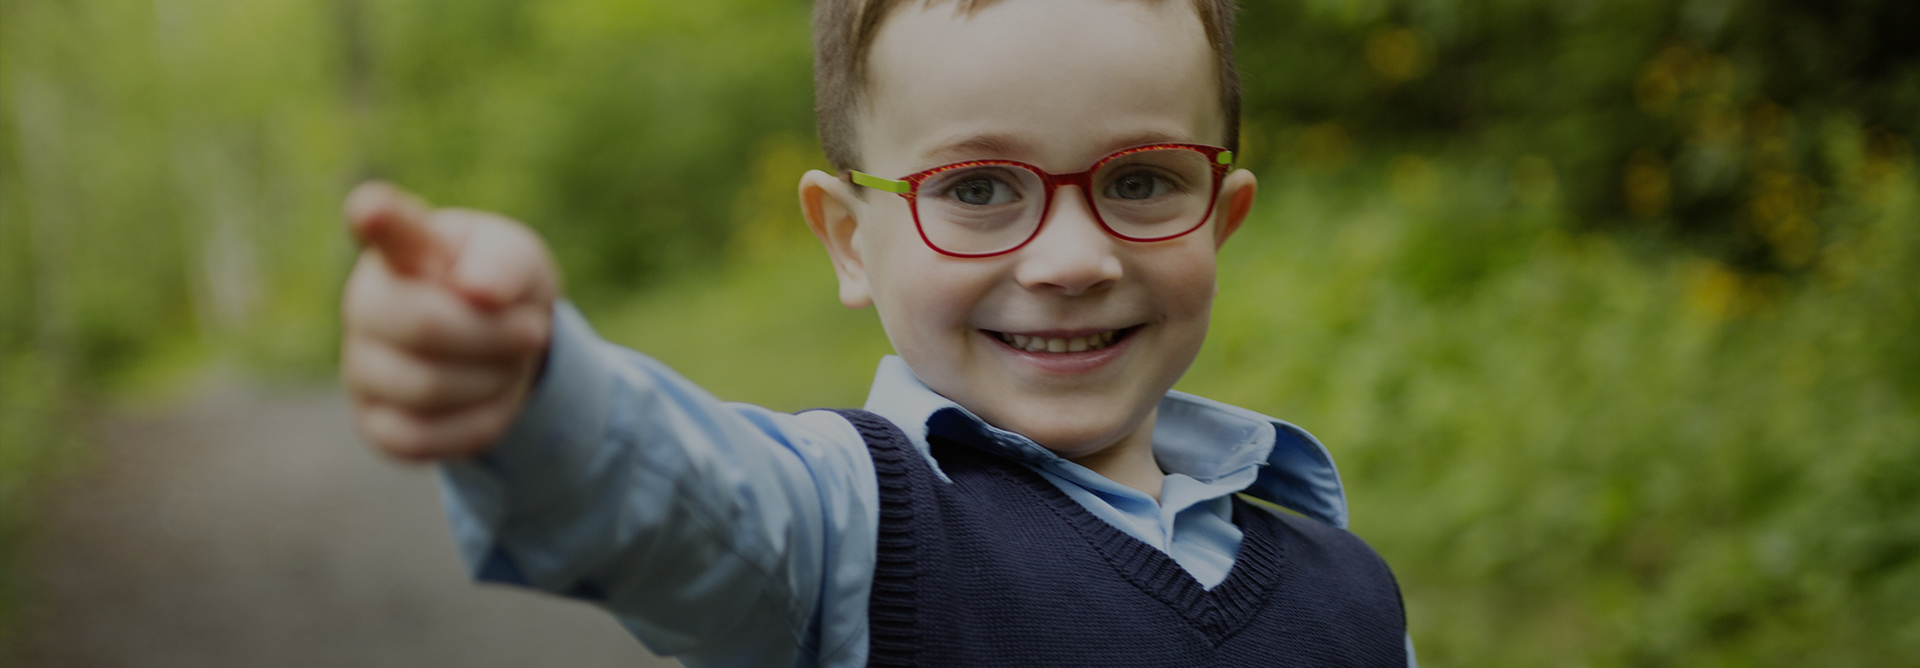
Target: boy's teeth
(1077, 344)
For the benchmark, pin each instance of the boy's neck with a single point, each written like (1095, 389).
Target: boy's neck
(1130, 461)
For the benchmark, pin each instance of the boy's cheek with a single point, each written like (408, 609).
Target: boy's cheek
(917, 316)
(1180, 274)
(912, 281)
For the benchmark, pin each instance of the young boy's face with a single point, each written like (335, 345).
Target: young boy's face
(1057, 84)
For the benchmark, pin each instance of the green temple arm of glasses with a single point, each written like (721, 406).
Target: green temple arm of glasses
(892, 186)
(877, 183)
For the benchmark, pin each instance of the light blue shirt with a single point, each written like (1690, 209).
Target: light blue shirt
(728, 534)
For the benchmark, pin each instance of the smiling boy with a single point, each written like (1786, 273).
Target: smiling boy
(1032, 194)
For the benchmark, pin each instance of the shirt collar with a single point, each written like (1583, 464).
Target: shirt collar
(1195, 436)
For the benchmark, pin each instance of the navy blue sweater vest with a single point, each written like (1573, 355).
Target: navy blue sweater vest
(1001, 568)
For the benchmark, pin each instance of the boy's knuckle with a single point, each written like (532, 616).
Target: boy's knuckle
(426, 329)
(396, 433)
(496, 381)
(359, 298)
(356, 384)
(359, 371)
(410, 444)
(372, 419)
(426, 386)
(533, 336)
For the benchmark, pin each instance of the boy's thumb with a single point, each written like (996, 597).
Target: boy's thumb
(503, 264)
(390, 220)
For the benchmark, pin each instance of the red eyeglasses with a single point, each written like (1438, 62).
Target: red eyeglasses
(983, 208)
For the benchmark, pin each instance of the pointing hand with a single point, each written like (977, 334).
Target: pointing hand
(447, 316)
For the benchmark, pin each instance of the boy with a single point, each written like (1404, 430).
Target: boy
(1031, 194)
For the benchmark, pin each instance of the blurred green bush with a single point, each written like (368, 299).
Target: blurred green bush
(1607, 308)
(1694, 120)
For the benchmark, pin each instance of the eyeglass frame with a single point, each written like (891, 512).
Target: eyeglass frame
(908, 187)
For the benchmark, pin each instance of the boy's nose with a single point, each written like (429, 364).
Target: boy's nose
(1072, 255)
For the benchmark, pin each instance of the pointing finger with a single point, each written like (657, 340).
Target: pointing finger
(393, 222)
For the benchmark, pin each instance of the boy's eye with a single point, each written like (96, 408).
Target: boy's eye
(1138, 185)
(982, 190)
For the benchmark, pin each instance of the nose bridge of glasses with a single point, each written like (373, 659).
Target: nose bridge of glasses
(1071, 213)
(1071, 190)
(1081, 181)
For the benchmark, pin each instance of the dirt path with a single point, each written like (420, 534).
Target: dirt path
(251, 528)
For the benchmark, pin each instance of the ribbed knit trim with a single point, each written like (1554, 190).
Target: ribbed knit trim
(893, 635)
(1217, 613)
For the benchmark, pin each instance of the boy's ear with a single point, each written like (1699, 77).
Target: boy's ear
(828, 204)
(1236, 195)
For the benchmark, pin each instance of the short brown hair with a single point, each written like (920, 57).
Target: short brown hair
(844, 30)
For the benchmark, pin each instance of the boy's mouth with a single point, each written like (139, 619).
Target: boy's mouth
(1074, 344)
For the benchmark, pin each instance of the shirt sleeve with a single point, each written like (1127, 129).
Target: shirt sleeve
(722, 533)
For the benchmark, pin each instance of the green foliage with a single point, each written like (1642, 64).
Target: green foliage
(620, 129)
(1700, 120)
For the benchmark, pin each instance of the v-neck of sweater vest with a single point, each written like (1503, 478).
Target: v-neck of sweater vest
(1216, 612)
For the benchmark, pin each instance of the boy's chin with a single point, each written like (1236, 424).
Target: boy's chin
(1067, 432)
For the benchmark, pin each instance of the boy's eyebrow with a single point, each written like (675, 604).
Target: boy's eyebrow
(975, 146)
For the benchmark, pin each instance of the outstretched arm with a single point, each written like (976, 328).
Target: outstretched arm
(720, 533)
(725, 534)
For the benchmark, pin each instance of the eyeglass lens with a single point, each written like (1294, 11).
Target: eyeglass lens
(1140, 195)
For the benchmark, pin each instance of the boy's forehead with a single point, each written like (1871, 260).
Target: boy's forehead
(1057, 81)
